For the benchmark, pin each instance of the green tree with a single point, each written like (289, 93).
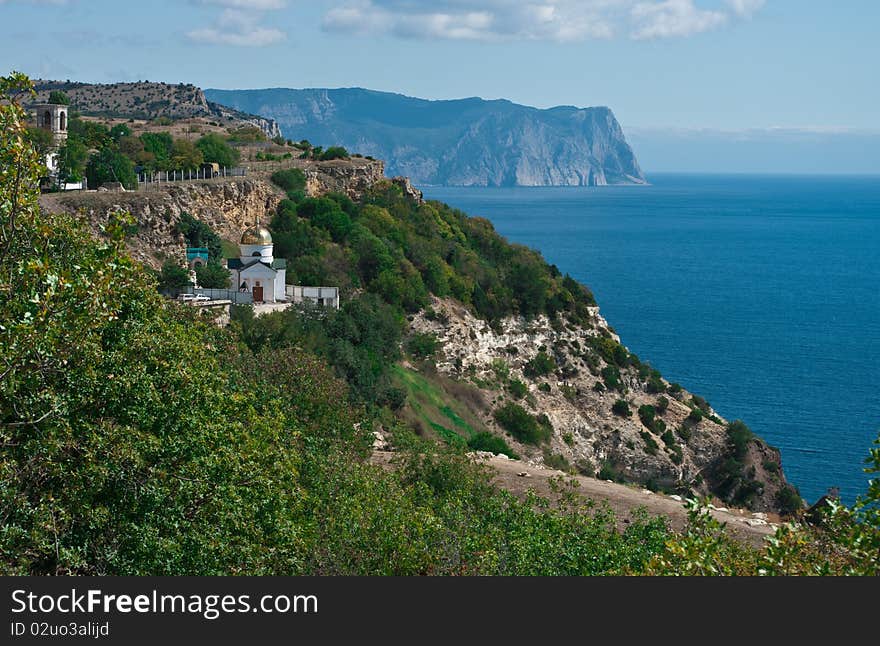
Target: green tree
(72, 159)
(161, 146)
(42, 141)
(58, 97)
(119, 131)
(334, 152)
(215, 149)
(110, 165)
(212, 276)
(291, 179)
(172, 276)
(185, 155)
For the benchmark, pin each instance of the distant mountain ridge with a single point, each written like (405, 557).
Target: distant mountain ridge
(462, 142)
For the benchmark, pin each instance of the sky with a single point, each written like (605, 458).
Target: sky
(729, 65)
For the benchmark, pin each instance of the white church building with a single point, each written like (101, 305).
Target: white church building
(256, 270)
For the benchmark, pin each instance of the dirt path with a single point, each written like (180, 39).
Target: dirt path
(519, 477)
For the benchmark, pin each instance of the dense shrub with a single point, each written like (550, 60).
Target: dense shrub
(494, 444)
(422, 345)
(540, 365)
(621, 408)
(514, 419)
(291, 179)
(517, 388)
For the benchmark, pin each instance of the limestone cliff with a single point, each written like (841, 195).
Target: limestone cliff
(587, 433)
(228, 206)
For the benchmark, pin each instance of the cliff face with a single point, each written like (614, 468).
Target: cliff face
(467, 142)
(228, 206)
(586, 431)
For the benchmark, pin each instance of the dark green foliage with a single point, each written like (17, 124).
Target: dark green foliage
(422, 345)
(684, 432)
(199, 234)
(119, 131)
(609, 471)
(494, 444)
(739, 436)
(651, 446)
(91, 133)
(216, 150)
(42, 140)
(334, 152)
(173, 276)
(674, 389)
(610, 350)
(72, 159)
(544, 387)
(599, 387)
(540, 365)
(655, 383)
(621, 408)
(517, 388)
(668, 438)
(695, 416)
(109, 165)
(514, 419)
(288, 180)
(662, 404)
(161, 146)
(789, 500)
(556, 461)
(702, 404)
(212, 276)
(360, 341)
(611, 377)
(58, 97)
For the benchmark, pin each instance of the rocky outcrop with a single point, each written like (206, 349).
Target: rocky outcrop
(228, 207)
(467, 142)
(577, 400)
(146, 100)
(350, 176)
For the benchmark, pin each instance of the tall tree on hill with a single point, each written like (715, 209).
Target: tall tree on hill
(216, 150)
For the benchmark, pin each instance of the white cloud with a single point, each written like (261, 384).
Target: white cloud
(672, 18)
(745, 8)
(239, 24)
(556, 20)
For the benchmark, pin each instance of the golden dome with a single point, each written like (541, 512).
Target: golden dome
(256, 235)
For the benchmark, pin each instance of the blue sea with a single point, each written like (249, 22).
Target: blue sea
(761, 293)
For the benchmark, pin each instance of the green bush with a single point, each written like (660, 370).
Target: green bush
(517, 388)
(662, 404)
(514, 419)
(621, 408)
(291, 179)
(172, 276)
(422, 345)
(695, 416)
(668, 438)
(213, 276)
(540, 365)
(334, 152)
(611, 377)
(544, 387)
(485, 441)
(215, 150)
(739, 436)
(789, 500)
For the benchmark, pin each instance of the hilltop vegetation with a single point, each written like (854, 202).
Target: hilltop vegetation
(138, 439)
